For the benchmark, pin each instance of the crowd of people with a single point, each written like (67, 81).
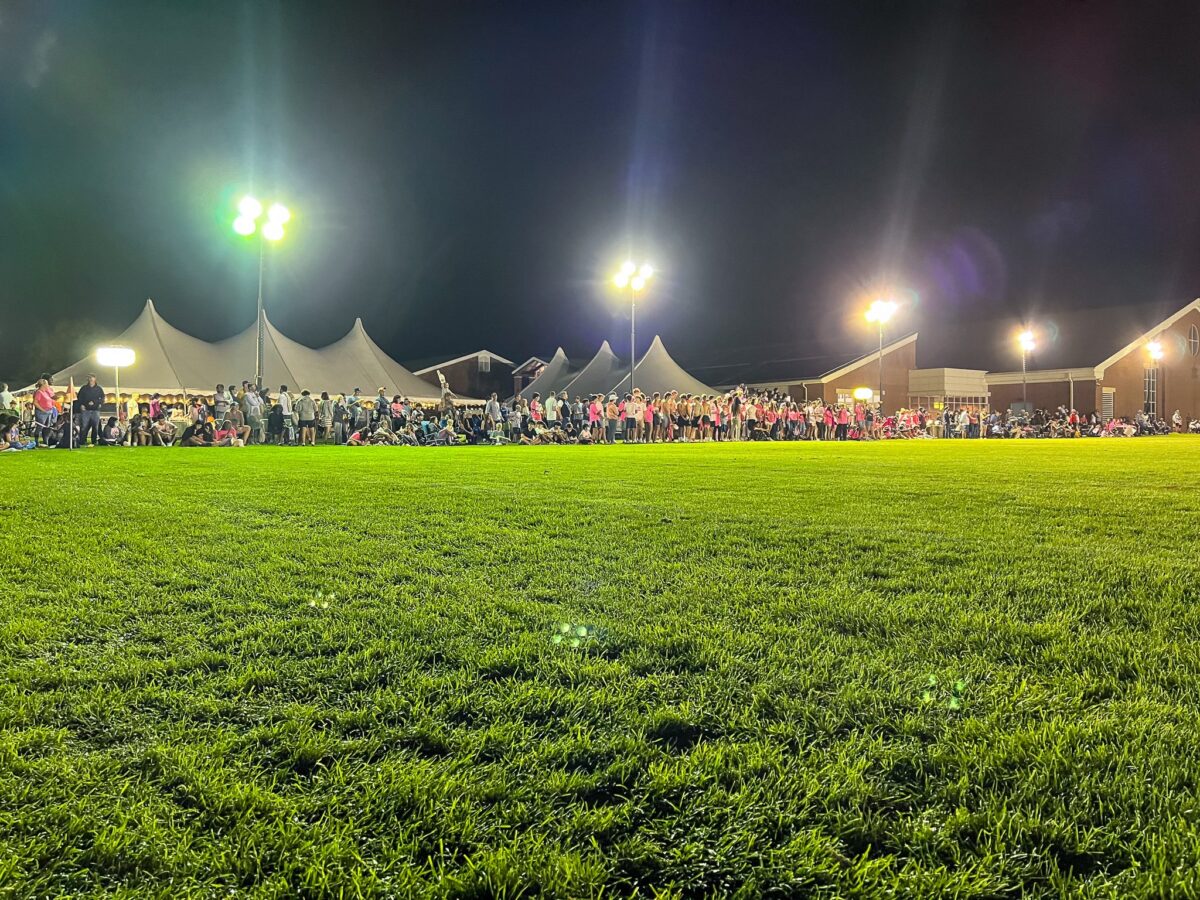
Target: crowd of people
(240, 415)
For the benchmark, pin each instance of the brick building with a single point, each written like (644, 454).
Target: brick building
(473, 375)
(1157, 371)
(839, 382)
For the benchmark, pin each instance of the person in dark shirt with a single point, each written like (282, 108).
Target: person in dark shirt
(90, 399)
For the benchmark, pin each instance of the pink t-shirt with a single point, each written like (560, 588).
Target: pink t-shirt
(44, 399)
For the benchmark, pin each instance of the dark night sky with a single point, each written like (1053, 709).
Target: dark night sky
(468, 174)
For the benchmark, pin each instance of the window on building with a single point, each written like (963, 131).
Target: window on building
(485, 363)
(1150, 391)
(1194, 341)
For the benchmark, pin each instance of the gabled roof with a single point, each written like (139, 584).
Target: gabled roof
(599, 375)
(784, 365)
(427, 369)
(874, 355)
(1147, 336)
(532, 361)
(554, 377)
(658, 372)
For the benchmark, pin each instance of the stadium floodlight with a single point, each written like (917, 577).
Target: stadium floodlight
(116, 357)
(635, 278)
(250, 210)
(880, 311)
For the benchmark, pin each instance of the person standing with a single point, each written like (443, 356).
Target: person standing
(285, 407)
(91, 398)
(491, 414)
(7, 401)
(306, 415)
(325, 416)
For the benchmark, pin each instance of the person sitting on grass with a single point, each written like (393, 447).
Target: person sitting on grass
(238, 420)
(356, 438)
(162, 431)
(110, 434)
(383, 433)
(228, 436)
(198, 434)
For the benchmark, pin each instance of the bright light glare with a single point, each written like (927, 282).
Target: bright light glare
(279, 213)
(621, 280)
(1025, 339)
(273, 231)
(243, 225)
(629, 268)
(637, 283)
(250, 208)
(863, 394)
(114, 357)
(1155, 349)
(646, 271)
(882, 310)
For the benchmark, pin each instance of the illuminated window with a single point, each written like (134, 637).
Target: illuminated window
(485, 363)
(1150, 391)
(1194, 340)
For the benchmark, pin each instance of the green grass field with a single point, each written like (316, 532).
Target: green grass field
(906, 669)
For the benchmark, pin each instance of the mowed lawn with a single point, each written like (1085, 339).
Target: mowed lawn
(907, 669)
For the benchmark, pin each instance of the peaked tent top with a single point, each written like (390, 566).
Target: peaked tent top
(554, 376)
(598, 376)
(658, 372)
(362, 362)
(166, 360)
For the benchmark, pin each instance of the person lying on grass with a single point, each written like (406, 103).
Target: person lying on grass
(228, 436)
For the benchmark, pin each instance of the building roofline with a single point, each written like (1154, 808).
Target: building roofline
(1146, 336)
(532, 359)
(463, 358)
(1043, 376)
(866, 358)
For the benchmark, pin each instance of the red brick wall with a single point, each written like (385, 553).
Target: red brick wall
(466, 380)
(896, 365)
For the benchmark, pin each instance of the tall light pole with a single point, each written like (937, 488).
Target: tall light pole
(1025, 339)
(880, 311)
(115, 357)
(246, 224)
(634, 278)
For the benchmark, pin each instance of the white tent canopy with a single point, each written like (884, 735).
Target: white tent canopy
(658, 372)
(598, 376)
(168, 361)
(554, 377)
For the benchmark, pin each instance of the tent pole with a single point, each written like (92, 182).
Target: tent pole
(258, 359)
(632, 333)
